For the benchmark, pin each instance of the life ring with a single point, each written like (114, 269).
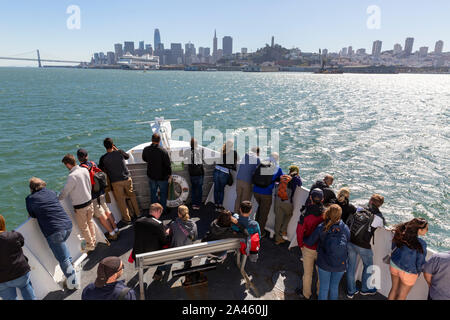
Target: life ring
(180, 191)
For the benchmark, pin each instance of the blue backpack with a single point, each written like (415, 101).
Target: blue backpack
(336, 247)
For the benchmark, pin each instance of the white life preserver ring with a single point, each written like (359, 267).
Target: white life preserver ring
(183, 195)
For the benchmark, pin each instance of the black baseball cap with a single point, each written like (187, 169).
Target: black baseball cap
(82, 153)
(106, 269)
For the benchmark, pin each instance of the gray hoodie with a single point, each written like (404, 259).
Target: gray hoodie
(183, 232)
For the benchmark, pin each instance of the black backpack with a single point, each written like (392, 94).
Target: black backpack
(263, 180)
(360, 224)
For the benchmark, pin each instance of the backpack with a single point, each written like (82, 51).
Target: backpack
(359, 224)
(250, 247)
(284, 192)
(263, 180)
(98, 177)
(336, 247)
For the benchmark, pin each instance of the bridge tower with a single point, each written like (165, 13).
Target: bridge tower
(39, 59)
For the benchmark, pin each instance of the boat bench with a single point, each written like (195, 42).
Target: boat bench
(194, 251)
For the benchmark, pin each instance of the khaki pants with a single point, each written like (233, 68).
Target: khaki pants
(100, 207)
(283, 213)
(83, 217)
(264, 204)
(123, 190)
(309, 259)
(243, 193)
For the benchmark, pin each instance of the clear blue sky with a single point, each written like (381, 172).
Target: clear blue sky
(308, 25)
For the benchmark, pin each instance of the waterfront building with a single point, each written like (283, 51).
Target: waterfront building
(96, 58)
(146, 61)
(376, 48)
(102, 58)
(128, 47)
(118, 51)
(189, 49)
(157, 39)
(110, 58)
(439, 47)
(409, 43)
(176, 53)
(227, 46)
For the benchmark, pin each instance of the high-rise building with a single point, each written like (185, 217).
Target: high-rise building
(350, 51)
(118, 50)
(128, 47)
(215, 47)
(325, 52)
(344, 52)
(361, 52)
(227, 46)
(376, 48)
(141, 45)
(398, 48)
(157, 39)
(149, 49)
(189, 49)
(273, 42)
(439, 47)
(244, 50)
(409, 43)
(110, 58)
(176, 53)
(423, 52)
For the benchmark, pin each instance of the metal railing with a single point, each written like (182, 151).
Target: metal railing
(194, 251)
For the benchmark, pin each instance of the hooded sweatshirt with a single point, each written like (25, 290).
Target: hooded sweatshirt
(183, 232)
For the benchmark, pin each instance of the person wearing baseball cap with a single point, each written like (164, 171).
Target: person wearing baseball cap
(106, 285)
(312, 217)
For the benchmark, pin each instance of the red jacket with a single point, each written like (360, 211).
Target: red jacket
(306, 229)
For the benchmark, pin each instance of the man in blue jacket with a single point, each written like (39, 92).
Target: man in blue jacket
(55, 224)
(264, 195)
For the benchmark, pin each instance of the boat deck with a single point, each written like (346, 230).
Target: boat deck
(276, 274)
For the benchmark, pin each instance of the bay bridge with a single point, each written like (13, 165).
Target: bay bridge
(38, 59)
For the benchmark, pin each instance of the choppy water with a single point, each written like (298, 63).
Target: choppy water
(375, 133)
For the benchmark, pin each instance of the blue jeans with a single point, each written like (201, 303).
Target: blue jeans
(329, 284)
(163, 186)
(8, 289)
(57, 243)
(367, 259)
(220, 181)
(197, 190)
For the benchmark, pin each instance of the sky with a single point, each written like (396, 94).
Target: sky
(27, 25)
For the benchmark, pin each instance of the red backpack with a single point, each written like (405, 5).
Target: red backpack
(98, 177)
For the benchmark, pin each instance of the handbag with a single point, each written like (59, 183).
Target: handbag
(230, 178)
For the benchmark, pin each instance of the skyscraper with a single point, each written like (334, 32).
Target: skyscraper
(423, 52)
(409, 43)
(157, 39)
(273, 42)
(128, 47)
(176, 53)
(439, 47)
(398, 48)
(227, 46)
(118, 50)
(350, 51)
(189, 49)
(376, 48)
(141, 45)
(215, 46)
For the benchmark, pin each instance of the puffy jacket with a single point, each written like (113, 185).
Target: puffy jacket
(409, 260)
(158, 162)
(183, 232)
(313, 217)
(329, 197)
(322, 250)
(217, 232)
(13, 263)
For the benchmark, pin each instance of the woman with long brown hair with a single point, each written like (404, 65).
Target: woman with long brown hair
(408, 257)
(333, 236)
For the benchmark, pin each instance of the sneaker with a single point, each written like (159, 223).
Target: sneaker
(351, 296)
(280, 241)
(299, 292)
(371, 292)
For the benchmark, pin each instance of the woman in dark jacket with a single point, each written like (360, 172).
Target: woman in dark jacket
(14, 267)
(343, 201)
(222, 172)
(221, 228)
(408, 257)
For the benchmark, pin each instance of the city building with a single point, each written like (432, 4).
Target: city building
(398, 48)
(227, 46)
(409, 43)
(148, 49)
(423, 52)
(118, 50)
(361, 52)
(273, 42)
(325, 52)
(128, 47)
(110, 58)
(157, 38)
(376, 48)
(350, 51)
(439, 47)
(344, 52)
(176, 54)
(215, 47)
(141, 45)
(244, 50)
(134, 62)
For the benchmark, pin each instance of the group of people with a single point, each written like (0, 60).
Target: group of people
(331, 231)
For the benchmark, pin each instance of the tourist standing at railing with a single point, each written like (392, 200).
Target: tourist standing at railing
(244, 176)
(437, 274)
(325, 186)
(222, 172)
(106, 285)
(333, 236)
(408, 257)
(343, 200)
(78, 187)
(113, 164)
(306, 226)
(14, 268)
(263, 195)
(101, 210)
(363, 224)
(283, 207)
(55, 224)
(159, 170)
(194, 158)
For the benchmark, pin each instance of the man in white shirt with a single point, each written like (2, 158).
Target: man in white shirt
(78, 187)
